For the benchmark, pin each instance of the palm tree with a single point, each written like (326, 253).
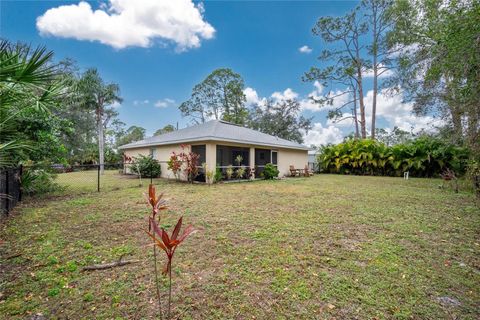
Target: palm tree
(96, 95)
(28, 82)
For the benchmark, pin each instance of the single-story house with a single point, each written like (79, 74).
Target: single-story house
(219, 143)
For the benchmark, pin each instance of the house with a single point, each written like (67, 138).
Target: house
(219, 143)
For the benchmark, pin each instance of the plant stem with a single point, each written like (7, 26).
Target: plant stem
(170, 286)
(156, 280)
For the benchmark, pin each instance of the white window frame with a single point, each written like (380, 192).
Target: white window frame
(153, 153)
(271, 157)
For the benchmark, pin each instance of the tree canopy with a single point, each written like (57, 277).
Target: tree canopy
(219, 96)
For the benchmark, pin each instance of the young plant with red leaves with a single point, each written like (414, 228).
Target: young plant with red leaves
(175, 164)
(162, 240)
(190, 159)
(157, 204)
(169, 244)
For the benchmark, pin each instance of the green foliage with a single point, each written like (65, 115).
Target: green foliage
(229, 172)
(38, 181)
(439, 62)
(280, 119)
(218, 175)
(270, 171)
(473, 173)
(146, 166)
(220, 95)
(422, 157)
(240, 172)
(168, 128)
(30, 89)
(134, 133)
(209, 174)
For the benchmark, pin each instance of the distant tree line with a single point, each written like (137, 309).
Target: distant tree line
(53, 113)
(221, 96)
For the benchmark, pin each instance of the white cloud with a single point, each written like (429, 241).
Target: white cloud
(251, 96)
(381, 69)
(396, 113)
(164, 103)
(340, 98)
(140, 102)
(115, 105)
(305, 49)
(288, 94)
(322, 135)
(125, 23)
(348, 121)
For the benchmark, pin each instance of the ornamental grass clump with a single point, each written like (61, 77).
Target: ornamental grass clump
(165, 242)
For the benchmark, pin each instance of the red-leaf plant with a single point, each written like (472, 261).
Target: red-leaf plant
(165, 242)
(191, 163)
(175, 164)
(169, 244)
(157, 204)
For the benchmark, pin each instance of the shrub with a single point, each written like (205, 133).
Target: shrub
(270, 171)
(422, 157)
(241, 172)
(229, 172)
(146, 166)
(190, 159)
(175, 164)
(37, 181)
(209, 174)
(218, 175)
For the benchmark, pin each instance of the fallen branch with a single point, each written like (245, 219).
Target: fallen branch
(15, 255)
(104, 266)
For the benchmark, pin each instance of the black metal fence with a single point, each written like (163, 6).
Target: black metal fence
(10, 189)
(61, 179)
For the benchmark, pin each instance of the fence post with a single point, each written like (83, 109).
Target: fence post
(98, 178)
(7, 192)
(20, 173)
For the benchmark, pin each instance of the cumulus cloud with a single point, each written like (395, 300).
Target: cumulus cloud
(125, 23)
(251, 96)
(164, 103)
(398, 114)
(288, 94)
(322, 135)
(305, 49)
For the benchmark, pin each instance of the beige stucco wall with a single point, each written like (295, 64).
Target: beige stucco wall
(286, 157)
(162, 154)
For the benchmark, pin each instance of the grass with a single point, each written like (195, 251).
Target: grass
(330, 246)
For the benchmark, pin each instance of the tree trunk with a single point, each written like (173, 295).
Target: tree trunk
(101, 140)
(362, 105)
(457, 123)
(375, 67)
(355, 116)
(375, 92)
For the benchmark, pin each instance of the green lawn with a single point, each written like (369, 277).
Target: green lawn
(330, 246)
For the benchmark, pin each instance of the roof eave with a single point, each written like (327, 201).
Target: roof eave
(209, 138)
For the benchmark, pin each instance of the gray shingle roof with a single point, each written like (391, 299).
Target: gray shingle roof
(216, 130)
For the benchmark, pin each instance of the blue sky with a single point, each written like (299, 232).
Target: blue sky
(259, 40)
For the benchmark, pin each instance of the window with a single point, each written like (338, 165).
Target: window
(274, 157)
(200, 150)
(153, 153)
